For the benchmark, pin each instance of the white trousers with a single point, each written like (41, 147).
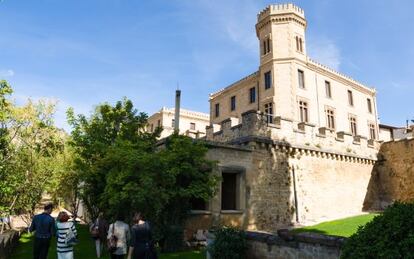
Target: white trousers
(68, 255)
(99, 246)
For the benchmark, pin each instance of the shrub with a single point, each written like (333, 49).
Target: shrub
(390, 235)
(229, 243)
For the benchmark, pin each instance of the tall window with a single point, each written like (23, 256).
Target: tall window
(301, 78)
(330, 119)
(369, 105)
(268, 79)
(159, 123)
(266, 45)
(173, 123)
(217, 109)
(372, 134)
(252, 94)
(303, 111)
(328, 89)
(233, 103)
(269, 112)
(192, 126)
(299, 44)
(350, 98)
(353, 125)
(229, 191)
(152, 128)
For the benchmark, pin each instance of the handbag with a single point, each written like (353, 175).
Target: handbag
(112, 241)
(70, 238)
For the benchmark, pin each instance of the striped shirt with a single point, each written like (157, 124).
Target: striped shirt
(62, 228)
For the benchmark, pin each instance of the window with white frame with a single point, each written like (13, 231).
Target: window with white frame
(353, 125)
(330, 118)
(303, 111)
(269, 112)
(372, 133)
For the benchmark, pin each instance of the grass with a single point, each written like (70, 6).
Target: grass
(341, 227)
(86, 248)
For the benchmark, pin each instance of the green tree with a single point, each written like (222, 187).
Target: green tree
(92, 138)
(29, 145)
(124, 170)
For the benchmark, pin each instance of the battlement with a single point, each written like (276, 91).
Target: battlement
(305, 136)
(278, 9)
(338, 74)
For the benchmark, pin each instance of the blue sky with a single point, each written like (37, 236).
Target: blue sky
(83, 53)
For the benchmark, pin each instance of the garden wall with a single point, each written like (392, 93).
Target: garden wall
(286, 246)
(8, 241)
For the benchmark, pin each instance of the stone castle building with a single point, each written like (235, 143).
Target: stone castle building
(295, 141)
(192, 123)
(291, 86)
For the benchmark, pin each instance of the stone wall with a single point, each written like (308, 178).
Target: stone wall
(283, 186)
(297, 246)
(393, 175)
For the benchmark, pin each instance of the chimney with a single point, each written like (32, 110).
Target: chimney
(177, 111)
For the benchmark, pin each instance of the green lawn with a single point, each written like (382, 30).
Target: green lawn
(86, 248)
(341, 227)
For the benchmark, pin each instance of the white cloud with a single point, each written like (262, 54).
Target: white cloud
(6, 73)
(325, 51)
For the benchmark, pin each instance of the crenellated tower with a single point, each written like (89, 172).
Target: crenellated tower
(281, 32)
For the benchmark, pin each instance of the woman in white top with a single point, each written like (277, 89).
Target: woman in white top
(63, 226)
(122, 233)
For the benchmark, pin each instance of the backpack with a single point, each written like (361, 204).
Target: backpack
(70, 237)
(113, 241)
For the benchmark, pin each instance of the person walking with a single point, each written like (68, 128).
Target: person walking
(44, 226)
(121, 231)
(141, 245)
(63, 229)
(99, 231)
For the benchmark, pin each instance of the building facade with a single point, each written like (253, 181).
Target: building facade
(295, 142)
(292, 86)
(192, 124)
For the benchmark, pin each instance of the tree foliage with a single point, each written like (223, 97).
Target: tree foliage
(390, 235)
(29, 145)
(124, 170)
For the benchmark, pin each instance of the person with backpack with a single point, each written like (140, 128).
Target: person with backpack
(99, 232)
(66, 236)
(44, 227)
(142, 244)
(118, 238)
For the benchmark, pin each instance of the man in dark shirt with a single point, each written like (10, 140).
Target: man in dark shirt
(44, 225)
